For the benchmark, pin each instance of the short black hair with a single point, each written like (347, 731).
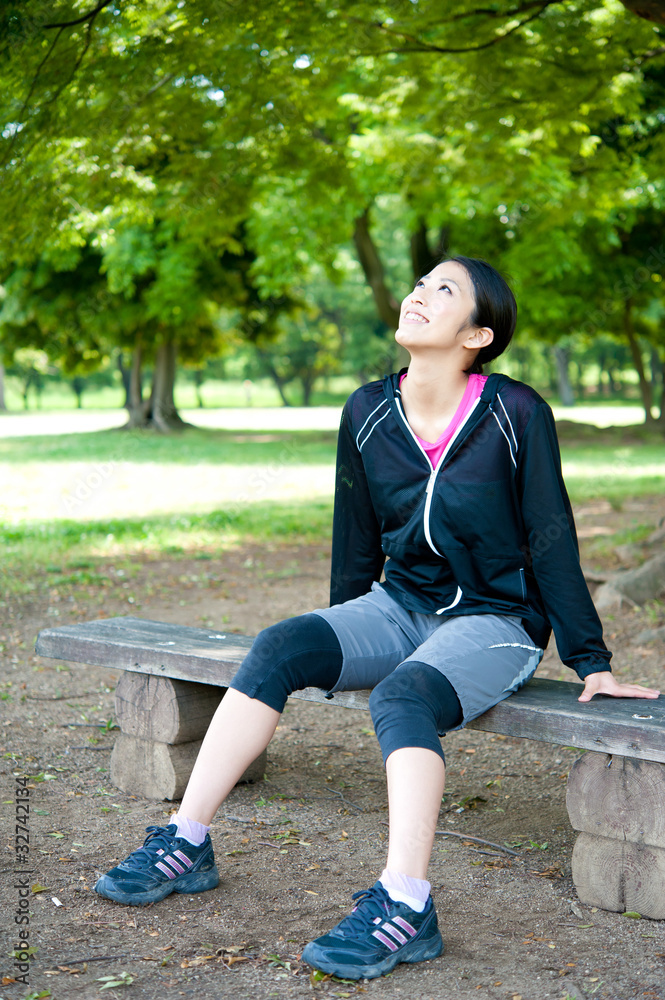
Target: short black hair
(495, 307)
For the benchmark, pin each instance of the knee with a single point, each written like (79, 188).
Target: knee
(270, 642)
(416, 689)
(391, 691)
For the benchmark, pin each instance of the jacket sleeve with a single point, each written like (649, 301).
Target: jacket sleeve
(357, 557)
(553, 552)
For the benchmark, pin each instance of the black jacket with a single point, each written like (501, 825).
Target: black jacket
(489, 531)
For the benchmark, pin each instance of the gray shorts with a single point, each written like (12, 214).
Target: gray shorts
(485, 657)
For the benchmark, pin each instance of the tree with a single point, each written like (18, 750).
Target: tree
(488, 128)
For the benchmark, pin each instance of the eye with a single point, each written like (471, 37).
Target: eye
(447, 287)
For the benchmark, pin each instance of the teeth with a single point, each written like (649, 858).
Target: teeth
(415, 317)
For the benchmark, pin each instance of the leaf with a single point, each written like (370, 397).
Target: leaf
(31, 952)
(633, 914)
(122, 979)
(316, 976)
(38, 888)
(199, 960)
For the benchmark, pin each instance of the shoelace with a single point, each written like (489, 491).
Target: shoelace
(372, 903)
(157, 837)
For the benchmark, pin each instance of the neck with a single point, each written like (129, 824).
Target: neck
(435, 390)
(430, 397)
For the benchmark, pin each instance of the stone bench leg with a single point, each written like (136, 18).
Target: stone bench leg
(618, 806)
(162, 723)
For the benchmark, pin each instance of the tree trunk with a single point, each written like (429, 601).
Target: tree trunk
(566, 393)
(137, 408)
(422, 258)
(650, 10)
(78, 386)
(636, 353)
(307, 388)
(163, 414)
(199, 379)
(125, 376)
(370, 261)
(657, 382)
(3, 405)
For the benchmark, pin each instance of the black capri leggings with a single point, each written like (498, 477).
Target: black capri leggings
(410, 707)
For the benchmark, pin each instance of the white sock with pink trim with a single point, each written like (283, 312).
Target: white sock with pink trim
(405, 889)
(189, 829)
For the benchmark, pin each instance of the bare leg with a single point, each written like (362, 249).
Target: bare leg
(416, 779)
(240, 730)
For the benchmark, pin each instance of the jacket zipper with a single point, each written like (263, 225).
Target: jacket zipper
(429, 489)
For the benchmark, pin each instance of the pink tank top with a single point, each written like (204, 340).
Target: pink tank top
(435, 450)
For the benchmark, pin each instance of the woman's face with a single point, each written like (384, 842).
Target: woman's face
(436, 313)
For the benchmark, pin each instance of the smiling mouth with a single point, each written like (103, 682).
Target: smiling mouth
(414, 317)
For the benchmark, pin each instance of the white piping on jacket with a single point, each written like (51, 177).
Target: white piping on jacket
(510, 447)
(458, 598)
(372, 429)
(368, 420)
(512, 429)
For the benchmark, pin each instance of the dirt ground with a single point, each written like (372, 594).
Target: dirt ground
(293, 848)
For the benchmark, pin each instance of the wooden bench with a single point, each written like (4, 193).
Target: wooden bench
(174, 678)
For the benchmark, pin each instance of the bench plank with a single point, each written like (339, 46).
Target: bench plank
(542, 710)
(179, 651)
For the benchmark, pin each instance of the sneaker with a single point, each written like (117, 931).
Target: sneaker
(166, 863)
(375, 937)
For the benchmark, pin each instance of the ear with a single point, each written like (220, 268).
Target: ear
(482, 336)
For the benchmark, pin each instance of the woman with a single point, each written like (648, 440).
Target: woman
(455, 478)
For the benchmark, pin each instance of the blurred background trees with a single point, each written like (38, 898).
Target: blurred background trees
(183, 181)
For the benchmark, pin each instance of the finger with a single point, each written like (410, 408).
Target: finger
(629, 691)
(635, 691)
(620, 691)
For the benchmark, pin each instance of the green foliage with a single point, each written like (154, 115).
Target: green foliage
(162, 161)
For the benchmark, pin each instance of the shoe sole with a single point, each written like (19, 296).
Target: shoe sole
(192, 883)
(415, 951)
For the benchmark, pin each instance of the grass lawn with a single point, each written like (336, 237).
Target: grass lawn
(205, 503)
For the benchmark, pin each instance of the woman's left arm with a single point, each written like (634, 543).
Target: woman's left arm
(604, 682)
(554, 557)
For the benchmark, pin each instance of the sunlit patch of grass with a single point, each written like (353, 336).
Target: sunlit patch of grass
(613, 473)
(188, 447)
(35, 554)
